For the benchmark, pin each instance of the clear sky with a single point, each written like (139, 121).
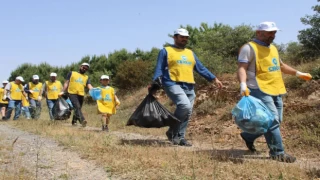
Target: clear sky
(60, 32)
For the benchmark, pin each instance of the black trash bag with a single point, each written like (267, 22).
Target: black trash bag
(151, 114)
(61, 109)
(155, 85)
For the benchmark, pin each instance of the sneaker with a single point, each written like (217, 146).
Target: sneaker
(106, 128)
(169, 135)
(84, 123)
(184, 142)
(284, 158)
(249, 145)
(3, 118)
(74, 124)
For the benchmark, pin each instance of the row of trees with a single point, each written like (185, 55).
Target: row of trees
(217, 47)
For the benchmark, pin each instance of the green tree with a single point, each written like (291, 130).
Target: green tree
(310, 37)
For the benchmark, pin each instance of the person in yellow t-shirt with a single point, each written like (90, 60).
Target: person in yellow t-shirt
(13, 92)
(74, 85)
(34, 90)
(3, 102)
(51, 90)
(25, 109)
(260, 69)
(108, 103)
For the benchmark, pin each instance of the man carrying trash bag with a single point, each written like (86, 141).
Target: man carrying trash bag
(175, 67)
(260, 69)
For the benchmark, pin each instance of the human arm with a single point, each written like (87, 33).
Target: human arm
(204, 72)
(66, 84)
(244, 58)
(162, 58)
(27, 90)
(286, 69)
(89, 86)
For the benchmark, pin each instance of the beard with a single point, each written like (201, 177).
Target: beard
(82, 71)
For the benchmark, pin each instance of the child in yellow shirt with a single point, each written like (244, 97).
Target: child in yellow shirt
(108, 103)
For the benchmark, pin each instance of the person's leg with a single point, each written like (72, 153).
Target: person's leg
(17, 111)
(273, 135)
(50, 104)
(27, 112)
(32, 108)
(76, 107)
(183, 126)
(82, 119)
(38, 109)
(182, 112)
(11, 106)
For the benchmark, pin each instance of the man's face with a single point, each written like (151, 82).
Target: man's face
(266, 36)
(53, 78)
(180, 41)
(35, 81)
(4, 84)
(104, 82)
(83, 69)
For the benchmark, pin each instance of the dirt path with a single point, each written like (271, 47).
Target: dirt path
(42, 158)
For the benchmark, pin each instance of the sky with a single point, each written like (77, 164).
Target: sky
(60, 32)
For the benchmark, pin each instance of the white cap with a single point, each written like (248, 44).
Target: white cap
(20, 78)
(267, 26)
(104, 77)
(53, 74)
(5, 82)
(35, 77)
(85, 64)
(182, 32)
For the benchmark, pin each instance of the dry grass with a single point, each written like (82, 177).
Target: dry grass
(139, 153)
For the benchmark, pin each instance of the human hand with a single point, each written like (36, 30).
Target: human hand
(31, 91)
(218, 83)
(244, 91)
(39, 98)
(304, 76)
(4, 98)
(60, 94)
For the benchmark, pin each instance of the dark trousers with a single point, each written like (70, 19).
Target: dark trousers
(77, 102)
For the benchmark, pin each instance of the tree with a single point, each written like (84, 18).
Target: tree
(310, 37)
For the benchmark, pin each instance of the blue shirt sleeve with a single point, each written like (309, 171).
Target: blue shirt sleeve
(68, 76)
(162, 57)
(88, 81)
(26, 89)
(203, 71)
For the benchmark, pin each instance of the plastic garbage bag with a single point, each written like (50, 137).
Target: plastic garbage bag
(61, 109)
(252, 115)
(151, 114)
(95, 93)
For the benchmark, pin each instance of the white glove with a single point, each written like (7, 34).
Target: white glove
(244, 91)
(39, 98)
(304, 76)
(31, 91)
(4, 98)
(61, 93)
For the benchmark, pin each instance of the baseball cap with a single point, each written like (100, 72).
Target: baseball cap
(5, 82)
(182, 32)
(20, 78)
(104, 77)
(35, 77)
(267, 26)
(53, 74)
(85, 64)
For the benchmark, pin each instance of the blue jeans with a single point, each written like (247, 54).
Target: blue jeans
(35, 108)
(183, 99)
(25, 111)
(273, 136)
(13, 104)
(50, 103)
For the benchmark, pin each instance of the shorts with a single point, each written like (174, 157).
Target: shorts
(3, 105)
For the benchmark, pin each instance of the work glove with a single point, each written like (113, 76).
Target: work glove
(4, 98)
(39, 98)
(61, 94)
(31, 91)
(304, 76)
(155, 85)
(244, 91)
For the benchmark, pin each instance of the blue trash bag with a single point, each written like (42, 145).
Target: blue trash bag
(252, 115)
(95, 93)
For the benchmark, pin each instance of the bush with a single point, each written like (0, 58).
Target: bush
(133, 74)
